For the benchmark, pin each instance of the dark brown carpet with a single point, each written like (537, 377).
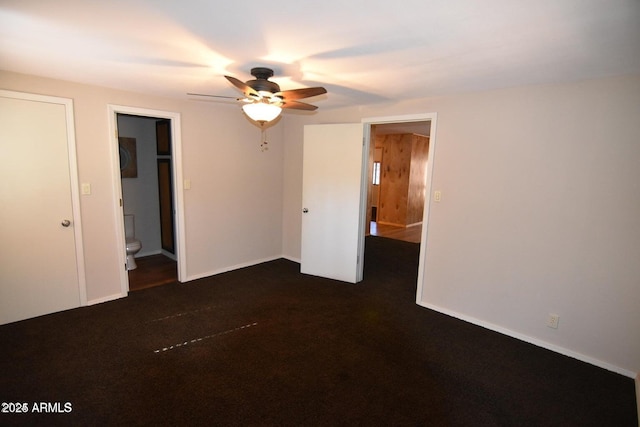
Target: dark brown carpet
(268, 346)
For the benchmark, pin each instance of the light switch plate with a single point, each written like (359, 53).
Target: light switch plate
(85, 188)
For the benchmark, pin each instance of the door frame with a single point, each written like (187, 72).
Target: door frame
(74, 179)
(424, 117)
(178, 199)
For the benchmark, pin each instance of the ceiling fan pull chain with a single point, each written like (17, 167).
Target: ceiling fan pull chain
(263, 139)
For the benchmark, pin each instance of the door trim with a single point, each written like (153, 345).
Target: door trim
(73, 178)
(430, 117)
(178, 192)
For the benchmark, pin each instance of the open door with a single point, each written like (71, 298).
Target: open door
(332, 202)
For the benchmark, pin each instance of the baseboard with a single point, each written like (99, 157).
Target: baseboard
(534, 341)
(169, 255)
(106, 299)
(142, 254)
(231, 268)
(393, 224)
(160, 252)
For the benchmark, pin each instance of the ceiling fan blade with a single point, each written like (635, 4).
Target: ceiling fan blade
(302, 93)
(213, 96)
(296, 105)
(247, 90)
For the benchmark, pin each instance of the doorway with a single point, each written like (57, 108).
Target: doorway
(397, 168)
(419, 124)
(335, 196)
(147, 199)
(147, 150)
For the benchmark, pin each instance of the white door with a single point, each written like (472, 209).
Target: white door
(38, 264)
(332, 218)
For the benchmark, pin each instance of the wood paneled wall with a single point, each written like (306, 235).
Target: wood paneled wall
(402, 183)
(417, 178)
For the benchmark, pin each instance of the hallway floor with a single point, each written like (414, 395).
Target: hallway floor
(408, 234)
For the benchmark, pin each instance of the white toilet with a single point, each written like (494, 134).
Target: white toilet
(133, 245)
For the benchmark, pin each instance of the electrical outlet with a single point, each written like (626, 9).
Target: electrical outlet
(552, 320)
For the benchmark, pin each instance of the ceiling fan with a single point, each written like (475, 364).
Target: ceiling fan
(263, 100)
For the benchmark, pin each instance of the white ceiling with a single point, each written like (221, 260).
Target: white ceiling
(361, 51)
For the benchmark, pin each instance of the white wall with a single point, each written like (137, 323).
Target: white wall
(233, 212)
(540, 212)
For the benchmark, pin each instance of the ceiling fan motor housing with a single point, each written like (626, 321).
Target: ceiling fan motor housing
(261, 83)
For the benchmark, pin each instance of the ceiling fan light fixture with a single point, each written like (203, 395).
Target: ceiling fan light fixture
(263, 100)
(261, 112)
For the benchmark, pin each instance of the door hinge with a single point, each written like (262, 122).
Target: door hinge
(120, 202)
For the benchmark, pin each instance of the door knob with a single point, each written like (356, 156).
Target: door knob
(66, 223)
(305, 210)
